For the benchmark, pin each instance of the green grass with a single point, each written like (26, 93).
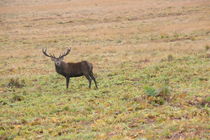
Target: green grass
(120, 108)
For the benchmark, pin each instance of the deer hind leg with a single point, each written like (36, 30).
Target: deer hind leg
(92, 77)
(89, 80)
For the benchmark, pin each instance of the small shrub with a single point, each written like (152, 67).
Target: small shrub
(17, 98)
(170, 58)
(208, 54)
(163, 36)
(150, 91)
(66, 108)
(157, 96)
(164, 92)
(158, 101)
(3, 102)
(16, 83)
(207, 47)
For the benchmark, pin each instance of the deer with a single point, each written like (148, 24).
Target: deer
(69, 70)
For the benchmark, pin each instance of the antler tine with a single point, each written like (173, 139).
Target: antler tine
(44, 50)
(65, 53)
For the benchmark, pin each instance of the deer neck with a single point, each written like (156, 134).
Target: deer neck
(60, 69)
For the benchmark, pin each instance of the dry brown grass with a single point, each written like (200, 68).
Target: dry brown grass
(105, 32)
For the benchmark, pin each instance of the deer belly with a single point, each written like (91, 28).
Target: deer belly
(76, 74)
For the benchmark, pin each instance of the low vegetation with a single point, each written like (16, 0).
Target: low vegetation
(129, 103)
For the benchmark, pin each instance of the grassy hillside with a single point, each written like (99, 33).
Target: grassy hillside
(151, 60)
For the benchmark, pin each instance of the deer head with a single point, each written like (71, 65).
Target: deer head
(57, 60)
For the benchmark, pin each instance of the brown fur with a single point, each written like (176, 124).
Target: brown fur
(68, 70)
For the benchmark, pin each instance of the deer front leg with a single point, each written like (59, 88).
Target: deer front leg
(67, 82)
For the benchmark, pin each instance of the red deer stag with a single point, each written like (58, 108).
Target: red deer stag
(69, 70)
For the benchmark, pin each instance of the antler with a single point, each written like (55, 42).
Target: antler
(65, 53)
(45, 53)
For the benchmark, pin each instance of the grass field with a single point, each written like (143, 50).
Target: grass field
(151, 60)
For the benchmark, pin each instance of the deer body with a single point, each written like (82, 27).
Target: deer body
(69, 70)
